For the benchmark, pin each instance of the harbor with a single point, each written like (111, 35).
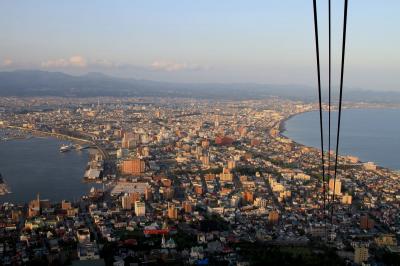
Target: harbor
(43, 169)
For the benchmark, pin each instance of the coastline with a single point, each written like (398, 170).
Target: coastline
(282, 129)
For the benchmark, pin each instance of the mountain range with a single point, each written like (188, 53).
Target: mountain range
(43, 83)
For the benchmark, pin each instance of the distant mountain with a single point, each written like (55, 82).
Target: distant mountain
(43, 83)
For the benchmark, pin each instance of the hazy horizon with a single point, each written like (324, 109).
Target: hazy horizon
(226, 41)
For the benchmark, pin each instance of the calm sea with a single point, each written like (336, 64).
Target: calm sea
(35, 165)
(370, 134)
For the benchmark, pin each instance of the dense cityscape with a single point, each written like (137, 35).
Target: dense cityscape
(188, 181)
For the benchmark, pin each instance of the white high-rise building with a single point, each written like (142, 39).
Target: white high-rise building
(140, 208)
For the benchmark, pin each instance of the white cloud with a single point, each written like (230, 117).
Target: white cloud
(77, 60)
(7, 62)
(73, 61)
(174, 66)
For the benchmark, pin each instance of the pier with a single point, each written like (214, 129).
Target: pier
(39, 133)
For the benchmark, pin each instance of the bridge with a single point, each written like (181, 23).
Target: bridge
(103, 152)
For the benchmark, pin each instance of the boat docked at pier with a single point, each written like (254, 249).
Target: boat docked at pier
(66, 147)
(3, 186)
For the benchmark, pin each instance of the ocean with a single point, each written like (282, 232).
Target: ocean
(370, 134)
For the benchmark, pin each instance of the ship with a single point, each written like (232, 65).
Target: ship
(65, 148)
(3, 186)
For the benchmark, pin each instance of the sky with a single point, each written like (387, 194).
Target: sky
(227, 41)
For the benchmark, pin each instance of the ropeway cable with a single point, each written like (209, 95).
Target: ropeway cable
(319, 96)
(329, 105)
(340, 104)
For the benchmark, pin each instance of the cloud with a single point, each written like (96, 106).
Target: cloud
(73, 61)
(77, 60)
(174, 66)
(7, 62)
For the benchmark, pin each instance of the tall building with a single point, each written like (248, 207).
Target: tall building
(248, 197)
(226, 175)
(347, 199)
(273, 217)
(133, 167)
(335, 185)
(205, 159)
(187, 206)
(34, 207)
(135, 196)
(126, 202)
(360, 253)
(129, 140)
(66, 205)
(140, 208)
(172, 211)
(148, 194)
(231, 164)
(366, 222)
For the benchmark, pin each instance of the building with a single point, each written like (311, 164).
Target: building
(66, 205)
(231, 164)
(198, 189)
(248, 197)
(130, 140)
(223, 141)
(386, 240)
(133, 167)
(366, 223)
(347, 199)
(360, 253)
(126, 202)
(260, 202)
(209, 177)
(370, 166)
(88, 251)
(135, 196)
(140, 208)
(187, 206)
(335, 186)
(205, 160)
(129, 188)
(148, 194)
(34, 207)
(83, 235)
(205, 143)
(172, 211)
(226, 175)
(255, 142)
(273, 217)
(168, 193)
(234, 202)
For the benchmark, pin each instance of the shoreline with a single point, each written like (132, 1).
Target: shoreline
(282, 129)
